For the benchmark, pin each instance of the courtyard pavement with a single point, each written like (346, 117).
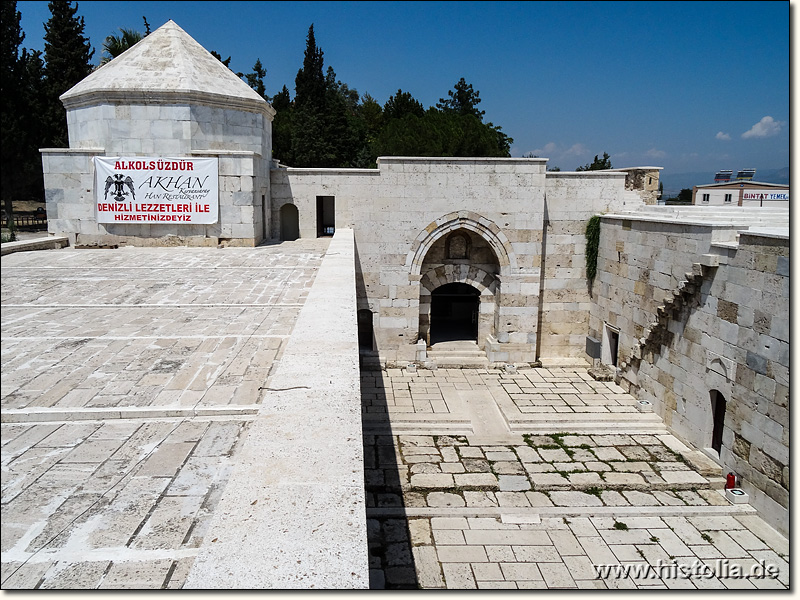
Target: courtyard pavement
(466, 490)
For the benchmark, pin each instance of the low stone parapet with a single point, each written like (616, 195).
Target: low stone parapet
(293, 514)
(44, 243)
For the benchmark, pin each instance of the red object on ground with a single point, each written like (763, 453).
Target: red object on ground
(730, 481)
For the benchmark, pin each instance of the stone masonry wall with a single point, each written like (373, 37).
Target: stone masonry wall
(640, 264)
(731, 335)
(240, 138)
(399, 210)
(571, 200)
(70, 197)
(167, 129)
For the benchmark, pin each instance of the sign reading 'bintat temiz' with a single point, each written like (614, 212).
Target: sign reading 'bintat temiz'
(157, 190)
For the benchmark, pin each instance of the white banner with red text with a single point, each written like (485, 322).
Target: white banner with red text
(157, 190)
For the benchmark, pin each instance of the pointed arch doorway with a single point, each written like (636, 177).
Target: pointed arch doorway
(454, 313)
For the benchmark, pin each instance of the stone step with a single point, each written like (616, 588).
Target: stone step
(635, 484)
(591, 428)
(594, 417)
(457, 354)
(448, 353)
(703, 464)
(459, 362)
(417, 428)
(455, 344)
(565, 511)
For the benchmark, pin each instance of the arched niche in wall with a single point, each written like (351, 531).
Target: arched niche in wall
(457, 246)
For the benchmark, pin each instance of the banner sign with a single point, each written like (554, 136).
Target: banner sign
(765, 196)
(157, 190)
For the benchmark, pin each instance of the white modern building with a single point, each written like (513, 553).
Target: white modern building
(741, 193)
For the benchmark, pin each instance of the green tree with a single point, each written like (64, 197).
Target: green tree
(373, 116)
(310, 83)
(11, 89)
(462, 100)
(282, 127)
(441, 133)
(226, 62)
(114, 45)
(22, 90)
(329, 125)
(67, 54)
(256, 79)
(36, 133)
(349, 95)
(685, 195)
(325, 127)
(402, 104)
(598, 164)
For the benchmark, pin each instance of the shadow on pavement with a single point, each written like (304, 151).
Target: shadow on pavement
(391, 561)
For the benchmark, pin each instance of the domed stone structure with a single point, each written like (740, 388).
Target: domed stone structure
(166, 97)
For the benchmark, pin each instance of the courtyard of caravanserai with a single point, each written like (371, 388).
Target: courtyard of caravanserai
(391, 378)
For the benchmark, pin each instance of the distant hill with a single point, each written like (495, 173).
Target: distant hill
(675, 182)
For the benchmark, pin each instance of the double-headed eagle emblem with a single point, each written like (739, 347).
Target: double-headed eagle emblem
(119, 187)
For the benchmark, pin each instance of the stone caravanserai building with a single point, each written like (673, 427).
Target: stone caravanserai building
(689, 307)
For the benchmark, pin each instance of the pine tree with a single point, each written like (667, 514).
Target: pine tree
(462, 100)
(256, 79)
(67, 55)
(598, 164)
(402, 104)
(372, 115)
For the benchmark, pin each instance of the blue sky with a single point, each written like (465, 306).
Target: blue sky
(690, 86)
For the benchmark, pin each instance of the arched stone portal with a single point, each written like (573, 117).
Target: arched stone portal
(290, 223)
(466, 221)
(458, 295)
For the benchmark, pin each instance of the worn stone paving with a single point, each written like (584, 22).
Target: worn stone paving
(111, 468)
(531, 390)
(543, 510)
(147, 328)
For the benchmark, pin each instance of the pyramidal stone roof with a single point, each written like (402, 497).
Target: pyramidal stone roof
(167, 66)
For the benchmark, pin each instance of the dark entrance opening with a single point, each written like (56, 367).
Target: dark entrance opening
(454, 313)
(365, 329)
(718, 406)
(326, 216)
(290, 223)
(613, 341)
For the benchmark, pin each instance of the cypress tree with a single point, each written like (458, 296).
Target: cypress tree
(309, 85)
(67, 55)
